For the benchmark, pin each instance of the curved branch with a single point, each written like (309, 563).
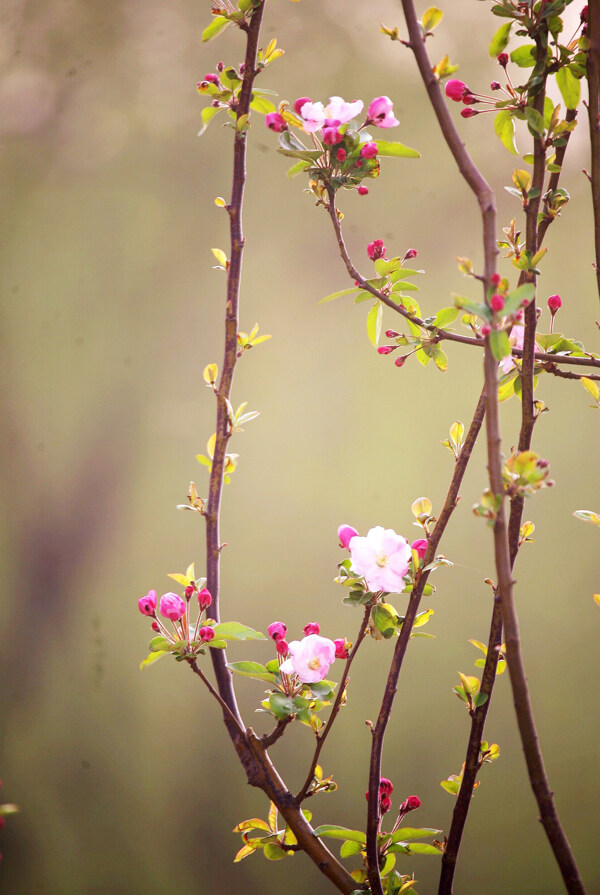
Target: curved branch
(593, 78)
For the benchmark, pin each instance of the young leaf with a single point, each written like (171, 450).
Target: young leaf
(152, 657)
(342, 292)
(236, 631)
(252, 669)
(331, 831)
(500, 39)
(500, 344)
(396, 150)
(207, 116)
(569, 86)
(216, 26)
(431, 18)
(504, 126)
(374, 318)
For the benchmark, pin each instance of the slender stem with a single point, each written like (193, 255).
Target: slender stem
(555, 178)
(593, 78)
(226, 710)
(336, 706)
(379, 729)
(213, 541)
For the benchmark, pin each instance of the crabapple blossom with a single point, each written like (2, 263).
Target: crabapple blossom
(386, 787)
(341, 648)
(376, 249)
(331, 135)
(381, 558)
(412, 802)
(282, 647)
(341, 154)
(381, 112)
(412, 253)
(495, 279)
(301, 102)
(497, 302)
(172, 606)
(502, 59)
(420, 545)
(277, 630)
(345, 535)
(368, 150)
(147, 604)
(455, 90)
(311, 628)
(554, 303)
(276, 122)
(206, 633)
(517, 334)
(313, 116)
(385, 349)
(362, 191)
(310, 658)
(342, 112)
(469, 112)
(204, 598)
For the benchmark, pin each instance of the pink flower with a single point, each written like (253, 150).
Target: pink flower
(345, 535)
(147, 604)
(517, 334)
(420, 545)
(376, 249)
(277, 630)
(456, 89)
(206, 633)
(381, 112)
(381, 558)
(341, 111)
(204, 598)
(341, 648)
(362, 191)
(300, 103)
(497, 302)
(313, 116)
(412, 253)
(172, 606)
(311, 628)
(554, 303)
(310, 658)
(276, 122)
(368, 150)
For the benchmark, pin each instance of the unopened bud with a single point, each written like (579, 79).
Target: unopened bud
(345, 535)
(311, 628)
(277, 630)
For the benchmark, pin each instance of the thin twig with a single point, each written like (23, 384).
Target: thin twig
(335, 708)
(226, 710)
(593, 78)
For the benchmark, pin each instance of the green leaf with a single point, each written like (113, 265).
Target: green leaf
(588, 516)
(451, 786)
(384, 619)
(374, 318)
(252, 669)
(207, 116)
(515, 298)
(273, 852)
(216, 26)
(524, 56)
(236, 631)
(431, 18)
(383, 267)
(158, 644)
(298, 168)
(535, 121)
(396, 150)
(440, 358)
(569, 86)
(406, 834)
(445, 317)
(500, 344)
(500, 39)
(331, 831)
(281, 705)
(342, 292)
(591, 386)
(504, 127)
(152, 657)
(350, 848)
(261, 105)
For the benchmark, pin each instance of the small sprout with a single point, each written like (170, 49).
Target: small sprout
(210, 375)
(221, 258)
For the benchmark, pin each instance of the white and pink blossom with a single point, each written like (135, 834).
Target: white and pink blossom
(310, 658)
(342, 112)
(313, 116)
(381, 112)
(382, 559)
(517, 334)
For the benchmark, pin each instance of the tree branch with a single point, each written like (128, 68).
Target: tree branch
(593, 79)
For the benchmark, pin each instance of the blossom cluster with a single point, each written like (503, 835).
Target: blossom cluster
(382, 557)
(176, 609)
(308, 659)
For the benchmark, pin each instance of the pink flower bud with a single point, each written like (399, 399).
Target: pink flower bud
(400, 361)
(189, 591)
(485, 330)
(311, 628)
(206, 633)
(413, 802)
(362, 191)
(381, 112)
(495, 85)
(554, 303)
(155, 627)
(412, 253)
(172, 606)
(376, 249)
(385, 349)
(147, 604)
(502, 59)
(456, 89)
(385, 804)
(282, 647)
(495, 279)
(497, 302)
(204, 598)
(299, 103)
(331, 136)
(469, 112)
(277, 630)
(341, 648)
(583, 15)
(220, 66)
(213, 79)
(276, 122)
(341, 154)
(345, 535)
(386, 787)
(368, 150)
(391, 334)
(469, 100)
(420, 545)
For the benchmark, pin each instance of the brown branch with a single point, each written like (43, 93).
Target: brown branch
(336, 706)
(226, 710)
(593, 79)
(400, 649)
(555, 178)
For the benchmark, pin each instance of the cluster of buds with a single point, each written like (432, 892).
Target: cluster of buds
(176, 609)
(347, 152)
(386, 789)
(459, 92)
(308, 659)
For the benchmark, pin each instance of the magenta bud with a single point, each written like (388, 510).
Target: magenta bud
(362, 191)
(376, 249)
(469, 112)
(412, 253)
(172, 606)
(311, 628)
(385, 349)
(341, 154)
(391, 334)
(456, 90)
(189, 591)
(368, 150)
(386, 787)
(495, 85)
(469, 100)
(204, 598)
(495, 279)
(485, 329)
(299, 103)
(275, 122)
(282, 647)
(497, 302)
(400, 361)
(213, 79)
(420, 545)
(155, 627)
(277, 630)
(412, 802)
(220, 66)
(385, 804)
(502, 59)
(206, 633)
(331, 136)
(345, 535)
(583, 15)
(554, 303)
(147, 604)
(341, 648)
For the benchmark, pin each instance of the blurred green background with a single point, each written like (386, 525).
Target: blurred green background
(110, 310)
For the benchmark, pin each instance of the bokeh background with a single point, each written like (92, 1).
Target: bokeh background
(111, 309)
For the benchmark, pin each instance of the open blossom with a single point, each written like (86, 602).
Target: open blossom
(310, 658)
(313, 116)
(382, 559)
(172, 606)
(341, 111)
(381, 112)
(517, 334)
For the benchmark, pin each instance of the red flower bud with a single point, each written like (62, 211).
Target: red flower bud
(204, 598)
(554, 303)
(385, 804)
(495, 85)
(213, 79)
(385, 349)
(282, 647)
(456, 90)
(400, 361)
(485, 329)
(420, 545)
(155, 627)
(368, 150)
(341, 154)
(502, 59)
(189, 591)
(311, 628)
(207, 633)
(391, 334)
(362, 191)
(376, 249)
(277, 630)
(341, 649)
(412, 253)
(469, 112)
(469, 100)
(497, 302)
(386, 787)
(413, 802)
(495, 279)
(276, 122)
